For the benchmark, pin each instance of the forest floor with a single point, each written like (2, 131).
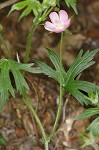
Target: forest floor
(17, 125)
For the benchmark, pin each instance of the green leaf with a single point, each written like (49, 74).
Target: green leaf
(67, 31)
(78, 95)
(83, 85)
(69, 3)
(18, 6)
(94, 127)
(28, 6)
(25, 13)
(37, 7)
(2, 141)
(47, 4)
(45, 69)
(74, 86)
(58, 3)
(8, 66)
(89, 140)
(93, 97)
(72, 3)
(81, 63)
(88, 113)
(78, 88)
(54, 59)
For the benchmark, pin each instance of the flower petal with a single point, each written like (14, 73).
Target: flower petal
(59, 30)
(63, 16)
(67, 24)
(54, 17)
(49, 26)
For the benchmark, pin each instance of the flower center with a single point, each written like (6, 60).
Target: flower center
(58, 25)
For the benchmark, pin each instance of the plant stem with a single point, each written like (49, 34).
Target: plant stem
(46, 13)
(46, 145)
(37, 120)
(61, 93)
(95, 146)
(36, 116)
(29, 40)
(36, 22)
(4, 43)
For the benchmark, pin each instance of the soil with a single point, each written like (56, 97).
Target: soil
(17, 125)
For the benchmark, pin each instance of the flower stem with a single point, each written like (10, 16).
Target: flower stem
(4, 43)
(61, 93)
(36, 22)
(27, 101)
(29, 40)
(95, 146)
(46, 13)
(46, 145)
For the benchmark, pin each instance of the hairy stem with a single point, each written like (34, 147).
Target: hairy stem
(61, 93)
(29, 40)
(27, 101)
(6, 47)
(36, 22)
(95, 146)
(46, 145)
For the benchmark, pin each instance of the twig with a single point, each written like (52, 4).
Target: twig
(8, 3)
(64, 117)
(33, 87)
(64, 108)
(56, 145)
(36, 108)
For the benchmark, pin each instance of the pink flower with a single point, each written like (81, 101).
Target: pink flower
(58, 23)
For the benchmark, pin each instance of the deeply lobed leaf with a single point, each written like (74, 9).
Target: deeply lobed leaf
(72, 3)
(78, 89)
(29, 6)
(81, 63)
(94, 127)
(37, 7)
(45, 69)
(8, 66)
(69, 3)
(88, 113)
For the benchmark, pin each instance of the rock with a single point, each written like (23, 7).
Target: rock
(74, 41)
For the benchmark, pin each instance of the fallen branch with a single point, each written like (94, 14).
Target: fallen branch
(8, 3)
